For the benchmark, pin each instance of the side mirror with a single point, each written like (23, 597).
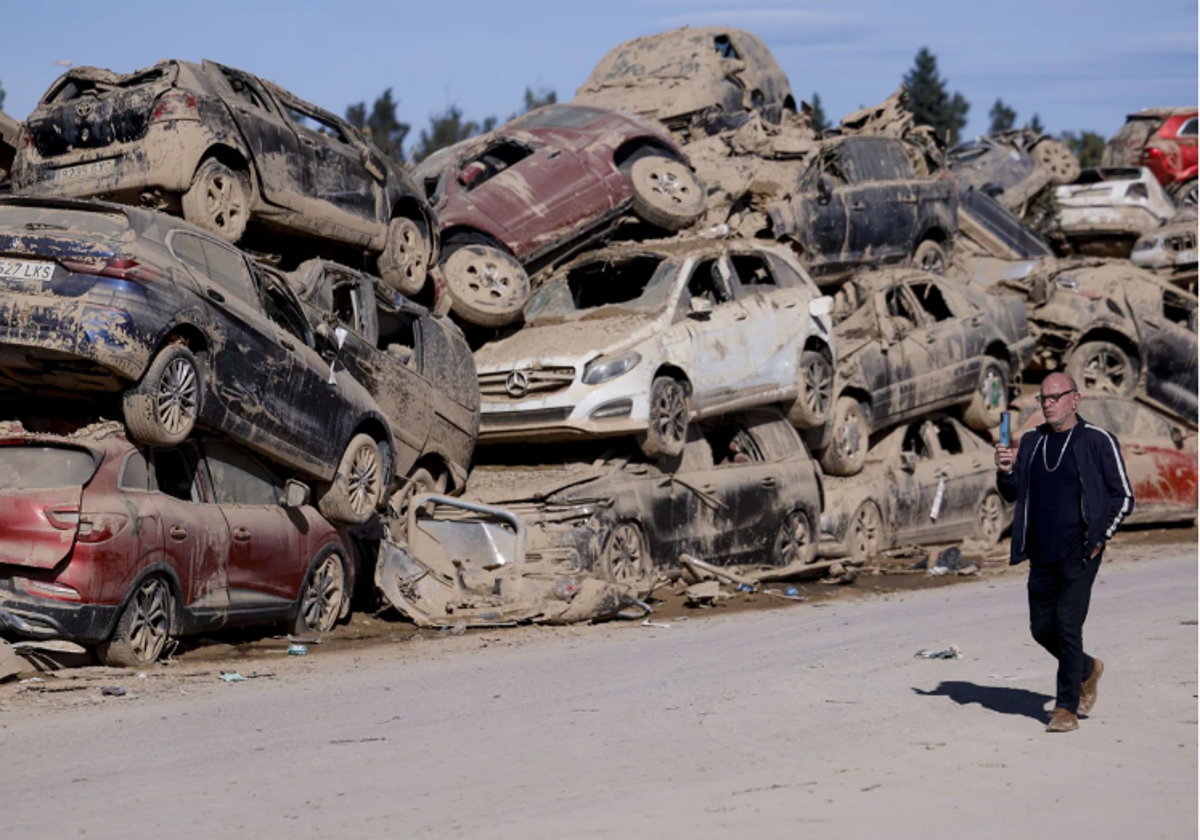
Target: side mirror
(296, 494)
(700, 307)
(819, 307)
(374, 167)
(908, 461)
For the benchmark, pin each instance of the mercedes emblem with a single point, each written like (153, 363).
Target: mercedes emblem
(516, 384)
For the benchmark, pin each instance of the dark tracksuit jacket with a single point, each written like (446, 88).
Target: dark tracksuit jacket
(1103, 485)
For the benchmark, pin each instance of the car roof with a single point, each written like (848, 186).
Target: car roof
(1150, 113)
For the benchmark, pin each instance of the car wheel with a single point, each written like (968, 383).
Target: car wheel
(625, 558)
(1104, 367)
(487, 286)
(794, 542)
(989, 520)
(867, 534)
(931, 257)
(1185, 195)
(358, 485)
(1062, 166)
(847, 449)
(811, 408)
(669, 414)
(321, 597)
(161, 410)
(144, 628)
(404, 263)
(990, 398)
(665, 192)
(218, 200)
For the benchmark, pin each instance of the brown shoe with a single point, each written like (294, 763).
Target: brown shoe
(1062, 721)
(1087, 694)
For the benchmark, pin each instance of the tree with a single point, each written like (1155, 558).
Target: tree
(382, 126)
(448, 128)
(1, 95)
(1003, 117)
(539, 99)
(817, 118)
(930, 103)
(1088, 146)
(1035, 125)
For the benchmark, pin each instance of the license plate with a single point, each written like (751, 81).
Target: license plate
(96, 169)
(14, 270)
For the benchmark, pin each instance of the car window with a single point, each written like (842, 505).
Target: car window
(731, 443)
(243, 90)
(899, 307)
(753, 274)
(135, 473)
(785, 275)
(223, 265)
(707, 281)
(865, 159)
(238, 479)
(24, 467)
(175, 475)
(639, 283)
(1188, 129)
(697, 455)
(920, 439)
(932, 301)
(947, 437)
(724, 47)
(280, 308)
(313, 121)
(498, 157)
(348, 306)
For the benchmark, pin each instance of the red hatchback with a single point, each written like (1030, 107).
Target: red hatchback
(1163, 140)
(106, 543)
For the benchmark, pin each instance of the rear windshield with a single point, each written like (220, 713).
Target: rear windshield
(60, 220)
(40, 467)
(73, 87)
(558, 116)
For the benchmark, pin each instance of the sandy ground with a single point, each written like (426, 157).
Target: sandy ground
(813, 719)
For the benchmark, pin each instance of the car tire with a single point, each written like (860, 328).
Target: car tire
(322, 596)
(1185, 194)
(162, 409)
(143, 628)
(404, 263)
(811, 408)
(795, 541)
(931, 257)
(867, 534)
(358, 485)
(666, 192)
(486, 284)
(849, 440)
(625, 557)
(670, 411)
(990, 398)
(1058, 161)
(218, 200)
(1103, 367)
(989, 520)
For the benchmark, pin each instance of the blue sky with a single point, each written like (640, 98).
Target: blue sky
(1079, 65)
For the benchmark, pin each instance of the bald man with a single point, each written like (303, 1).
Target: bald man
(1068, 480)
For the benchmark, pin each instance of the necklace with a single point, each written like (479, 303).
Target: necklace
(1061, 452)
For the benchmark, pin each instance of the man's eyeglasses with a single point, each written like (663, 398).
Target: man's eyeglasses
(1051, 399)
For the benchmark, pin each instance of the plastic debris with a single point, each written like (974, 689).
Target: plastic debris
(112, 691)
(950, 653)
(297, 650)
(745, 587)
(791, 592)
(232, 677)
(565, 589)
(649, 623)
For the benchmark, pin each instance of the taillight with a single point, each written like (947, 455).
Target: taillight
(62, 518)
(48, 589)
(1153, 154)
(175, 105)
(98, 527)
(122, 268)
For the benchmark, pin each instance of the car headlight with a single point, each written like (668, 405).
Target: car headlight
(602, 369)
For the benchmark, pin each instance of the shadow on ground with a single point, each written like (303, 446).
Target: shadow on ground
(995, 698)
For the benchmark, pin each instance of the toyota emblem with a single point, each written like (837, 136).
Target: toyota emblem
(516, 384)
(83, 109)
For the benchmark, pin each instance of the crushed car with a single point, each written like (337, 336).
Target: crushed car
(126, 547)
(909, 343)
(988, 228)
(692, 80)
(1104, 212)
(1159, 453)
(107, 300)
(643, 339)
(227, 150)
(523, 198)
(930, 480)
(1163, 139)
(1013, 166)
(1170, 251)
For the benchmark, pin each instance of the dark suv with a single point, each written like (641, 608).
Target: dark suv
(226, 149)
(860, 203)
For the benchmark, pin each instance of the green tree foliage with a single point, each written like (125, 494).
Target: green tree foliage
(538, 99)
(930, 103)
(447, 128)
(381, 124)
(1035, 125)
(2, 95)
(1088, 146)
(819, 121)
(1003, 117)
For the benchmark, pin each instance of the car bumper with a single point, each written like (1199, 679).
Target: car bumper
(37, 618)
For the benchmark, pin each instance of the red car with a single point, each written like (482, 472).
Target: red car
(124, 547)
(523, 198)
(1164, 140)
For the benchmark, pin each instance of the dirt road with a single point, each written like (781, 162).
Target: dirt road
(808, 719)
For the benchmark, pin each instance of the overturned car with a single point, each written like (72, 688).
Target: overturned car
(1013, 166)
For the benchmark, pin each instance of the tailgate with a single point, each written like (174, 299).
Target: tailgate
(41, 489)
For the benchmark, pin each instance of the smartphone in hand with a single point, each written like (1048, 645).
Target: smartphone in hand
(1006, 428)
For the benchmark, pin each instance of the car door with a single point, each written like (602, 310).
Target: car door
(820, 217)
(718, 335)
(912, 360)
(918, 474)
(882, 206)
(771, 326)
(1172, 468)
(1169, 347)
(969, 471)
(955, 371)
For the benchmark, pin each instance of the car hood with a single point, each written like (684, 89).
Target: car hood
(659, 99)
(565, 344)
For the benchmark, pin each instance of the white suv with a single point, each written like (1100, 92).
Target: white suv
(643, 339)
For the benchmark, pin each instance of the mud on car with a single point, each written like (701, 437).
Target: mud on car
(529, 195)
(127, 547)
(226, 150)
(643, 339)
(105, 300)
(911, 342)
(1013, 166)
(1163, 139)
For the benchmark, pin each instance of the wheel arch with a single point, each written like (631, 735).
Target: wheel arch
(236, 159)
(641, 146)
(1125, 342)
(674, 372)
(157, 569)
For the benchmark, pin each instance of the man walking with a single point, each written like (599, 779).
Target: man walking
(1068, 480)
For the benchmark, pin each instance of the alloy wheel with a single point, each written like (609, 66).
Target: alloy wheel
(175, 401)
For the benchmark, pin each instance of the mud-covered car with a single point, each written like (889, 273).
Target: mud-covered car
(109, 300)
(10, 131)
(227, 149)
(860, 203)
(986, 227)
(1170, 251)
(1159, 453)
(643, 339)
(1163, 139)
(704, 78)
(1105, 211)
(931, 480)
(1013, 166)
(417, 366)
(910, 342)
(530, 194)
(127, 547)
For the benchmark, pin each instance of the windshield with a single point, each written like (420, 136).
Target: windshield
(634, 285)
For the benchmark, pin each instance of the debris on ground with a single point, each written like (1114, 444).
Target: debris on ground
(112, 691)
(705, 594)
(951, 652)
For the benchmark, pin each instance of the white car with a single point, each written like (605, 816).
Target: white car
(1107, 209)
(643, 339)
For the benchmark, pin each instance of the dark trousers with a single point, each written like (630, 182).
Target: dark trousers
(1059, 594)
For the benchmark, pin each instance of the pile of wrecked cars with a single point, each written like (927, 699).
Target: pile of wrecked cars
(667, 330)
